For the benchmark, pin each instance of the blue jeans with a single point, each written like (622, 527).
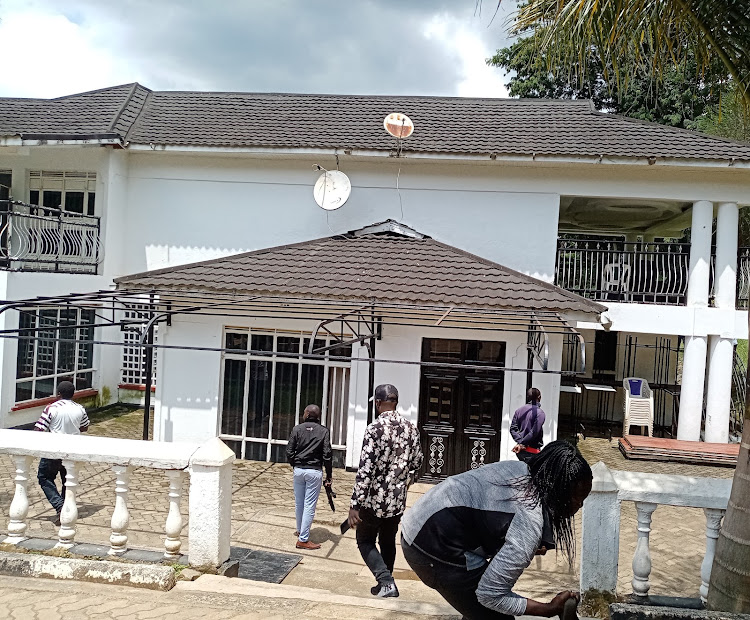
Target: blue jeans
(307, 483)
(48, 470)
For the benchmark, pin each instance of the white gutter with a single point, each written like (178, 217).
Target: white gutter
(52, 141)
(556, 159)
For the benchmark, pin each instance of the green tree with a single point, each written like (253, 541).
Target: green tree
(652, 35)
(679, 98)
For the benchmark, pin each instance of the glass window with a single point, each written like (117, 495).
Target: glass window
(234, 340)
(58, 351)
(233, 401)
(259, 398)
(264, 395)
(73, 192)
(74, 202)
(261, 343)
(284, 399)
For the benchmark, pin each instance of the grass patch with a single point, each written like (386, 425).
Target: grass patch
(595, 604)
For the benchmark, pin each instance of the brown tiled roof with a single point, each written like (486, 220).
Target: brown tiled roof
(352, 268)
(450, 125)
(99, 112)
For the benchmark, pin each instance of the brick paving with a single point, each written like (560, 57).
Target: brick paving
(22, 598)
(263, 517)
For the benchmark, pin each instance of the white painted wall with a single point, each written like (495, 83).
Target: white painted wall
(187, 392)
(183, 209)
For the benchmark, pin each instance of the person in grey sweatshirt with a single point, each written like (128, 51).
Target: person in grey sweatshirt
(471, 536)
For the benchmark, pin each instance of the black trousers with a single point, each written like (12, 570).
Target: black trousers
(456, 585)
(373, 529)
(48, 471)
(524, 456)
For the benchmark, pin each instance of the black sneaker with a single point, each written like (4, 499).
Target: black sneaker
(56, 520)
(386, 590)
(375, 589)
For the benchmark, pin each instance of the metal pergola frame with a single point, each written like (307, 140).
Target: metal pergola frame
(358, 321)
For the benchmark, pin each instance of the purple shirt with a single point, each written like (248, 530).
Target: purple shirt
(526, 427)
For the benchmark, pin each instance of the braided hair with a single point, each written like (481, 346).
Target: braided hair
(553, 476)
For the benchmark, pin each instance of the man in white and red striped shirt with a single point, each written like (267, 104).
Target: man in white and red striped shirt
(68, 418)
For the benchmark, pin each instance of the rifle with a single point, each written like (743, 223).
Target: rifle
(331, 494)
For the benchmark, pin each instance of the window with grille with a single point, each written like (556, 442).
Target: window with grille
(264, 394)
(133, 361)
(74, 192)
(54, 345)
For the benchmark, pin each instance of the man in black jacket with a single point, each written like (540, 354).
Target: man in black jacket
(308, 450)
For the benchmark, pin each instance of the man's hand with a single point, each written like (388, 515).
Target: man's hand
(354, 519)
(328, 482)
(541, 551)
(517, 448)
(558, 603)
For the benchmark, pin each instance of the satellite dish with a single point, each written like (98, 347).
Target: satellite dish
(398, 125)
(332, 189)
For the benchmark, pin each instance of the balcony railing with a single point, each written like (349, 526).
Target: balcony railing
(34, 238)
(743, 277)
(613, 270)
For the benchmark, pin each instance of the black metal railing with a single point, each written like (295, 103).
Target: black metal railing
(612, 270)
(739, 392)
(34, 238)
(743, 278)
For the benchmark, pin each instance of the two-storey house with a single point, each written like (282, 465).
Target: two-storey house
(504, 243)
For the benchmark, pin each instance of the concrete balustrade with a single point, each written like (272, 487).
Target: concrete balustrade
(209, 467)
(601, 522)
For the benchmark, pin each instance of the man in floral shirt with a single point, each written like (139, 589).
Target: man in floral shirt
(391, 457)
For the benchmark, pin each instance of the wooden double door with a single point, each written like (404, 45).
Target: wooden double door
(460, 408)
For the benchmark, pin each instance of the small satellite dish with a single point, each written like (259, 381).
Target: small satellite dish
(332, 189)
(398, 125)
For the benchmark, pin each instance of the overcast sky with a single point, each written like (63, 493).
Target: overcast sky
(52, 48)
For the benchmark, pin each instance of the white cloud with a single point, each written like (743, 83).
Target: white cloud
(48, 55)
(462, 39)
(59, 47)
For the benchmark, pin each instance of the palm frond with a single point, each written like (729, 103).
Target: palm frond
(653, 32)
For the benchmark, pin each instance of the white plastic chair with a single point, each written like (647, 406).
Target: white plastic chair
(616, 278)
(639, 405)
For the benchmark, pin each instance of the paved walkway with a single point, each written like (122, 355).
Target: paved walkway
(23, 598)
(263, 518)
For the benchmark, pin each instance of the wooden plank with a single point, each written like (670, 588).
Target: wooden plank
(697, 452)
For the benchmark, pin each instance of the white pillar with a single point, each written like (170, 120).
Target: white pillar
(719, 396)
(173, 526)
(642, 557)
(600, 533)
(719, 392)
(725, 273)
(19, 507)
(69, 512)
(210, 524)
(118, 539)
(694, 361)
(357, 409)
(691, 394)
(713, 524)
(700, 254)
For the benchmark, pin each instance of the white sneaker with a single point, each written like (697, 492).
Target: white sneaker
(387, 590)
